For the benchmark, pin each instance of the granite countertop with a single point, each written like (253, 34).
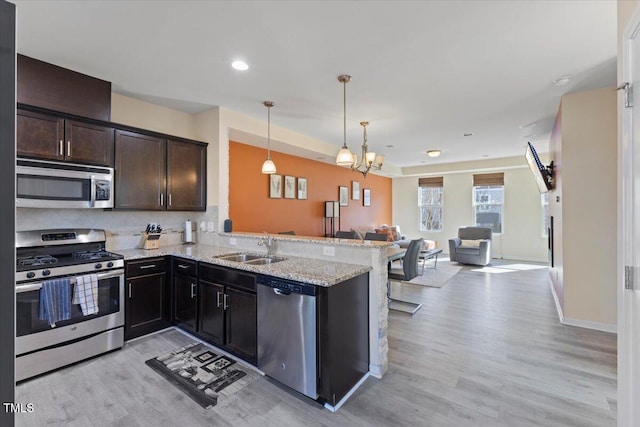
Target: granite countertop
(314, 271)
(311, 239)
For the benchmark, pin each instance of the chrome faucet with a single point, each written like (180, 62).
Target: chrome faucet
(269, 242)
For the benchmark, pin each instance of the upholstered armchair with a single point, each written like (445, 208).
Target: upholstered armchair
(472, 246)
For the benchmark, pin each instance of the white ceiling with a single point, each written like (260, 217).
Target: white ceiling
(423, 73)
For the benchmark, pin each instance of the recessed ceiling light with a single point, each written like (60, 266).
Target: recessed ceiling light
(240, 65)
(389, 146)
(562, 80)
(434, 153)
(528, 125)
(467, 134)
(485, 155)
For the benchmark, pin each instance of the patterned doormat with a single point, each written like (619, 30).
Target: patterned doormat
(202, 374)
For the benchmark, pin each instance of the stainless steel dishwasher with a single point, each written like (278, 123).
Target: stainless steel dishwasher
(287, 333)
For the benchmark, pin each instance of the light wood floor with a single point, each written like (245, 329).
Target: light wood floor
(485, 350)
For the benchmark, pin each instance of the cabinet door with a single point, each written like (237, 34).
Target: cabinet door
(241, 321)
(145, 305)
(139, 171)
(211, 318)
(186, 299)
(186, 176)
(87, 143)
(39, 135)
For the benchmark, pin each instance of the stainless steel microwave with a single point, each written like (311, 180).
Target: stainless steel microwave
(44, 184)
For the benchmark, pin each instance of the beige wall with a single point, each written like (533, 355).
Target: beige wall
(133, 112)
(587, 168)
(522, 237)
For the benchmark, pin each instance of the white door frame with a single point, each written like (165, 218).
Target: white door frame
(628, 307)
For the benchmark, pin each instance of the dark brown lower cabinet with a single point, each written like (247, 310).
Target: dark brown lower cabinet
(228, 310)
(241, 320)
(185, 293)
(211, 307)
(146, 303)
(343, 337)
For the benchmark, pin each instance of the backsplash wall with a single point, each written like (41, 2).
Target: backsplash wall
(123, 228)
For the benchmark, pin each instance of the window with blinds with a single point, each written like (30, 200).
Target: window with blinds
(430, 203)
(488, 200)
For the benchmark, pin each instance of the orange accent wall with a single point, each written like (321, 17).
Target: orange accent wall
(251, 209)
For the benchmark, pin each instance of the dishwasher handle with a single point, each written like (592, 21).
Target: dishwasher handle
(286, 287)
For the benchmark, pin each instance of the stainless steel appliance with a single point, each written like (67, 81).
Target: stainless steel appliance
(65, 253)
(44, 184)
(287, 345)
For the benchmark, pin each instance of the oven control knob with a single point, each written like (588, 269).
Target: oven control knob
(109, 264)
(31, 275)
(98, 266)
(46, 272)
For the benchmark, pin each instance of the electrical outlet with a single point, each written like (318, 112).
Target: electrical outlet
(328, 251)
(232, 241)
(203, 226)
(210, 227)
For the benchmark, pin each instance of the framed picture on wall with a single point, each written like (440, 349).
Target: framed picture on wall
(343, 195)
(355, 190)
(302, 188)
(366, 197)
(289, 187)
(275, 186)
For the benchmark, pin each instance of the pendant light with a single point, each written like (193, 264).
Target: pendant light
(370, 160)
(344, 158)
(268, 167)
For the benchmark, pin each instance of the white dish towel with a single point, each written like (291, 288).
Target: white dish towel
(85, 293)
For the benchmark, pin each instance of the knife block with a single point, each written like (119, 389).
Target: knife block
(149, 240)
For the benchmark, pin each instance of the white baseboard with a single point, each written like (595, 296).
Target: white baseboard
(604, 327)
(598, 326)
(556, 300)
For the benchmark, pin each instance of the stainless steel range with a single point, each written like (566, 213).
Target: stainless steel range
(69, 299)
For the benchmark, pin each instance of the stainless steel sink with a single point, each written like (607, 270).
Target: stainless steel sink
(240, 257)
(254, 259)
(265, 260)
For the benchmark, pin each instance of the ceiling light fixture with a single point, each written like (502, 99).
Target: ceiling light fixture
(240, 65)
(434, 153)
(268, 167)
(467, 134)
(562, 80)
(369, 158)
(345, 157)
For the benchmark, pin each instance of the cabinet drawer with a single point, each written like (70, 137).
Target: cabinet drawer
(228, 276)
(186, 267)
(146, 266)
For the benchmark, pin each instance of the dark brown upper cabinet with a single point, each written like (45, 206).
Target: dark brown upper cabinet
(50, 137)
(55, 88)
(152, 173)
(186, 176)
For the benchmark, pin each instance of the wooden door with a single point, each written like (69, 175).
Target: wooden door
(140, 178)
(39, 135)
(629, 259)
(88, 143)
(241, 323)
(211, 311)
(186, 176)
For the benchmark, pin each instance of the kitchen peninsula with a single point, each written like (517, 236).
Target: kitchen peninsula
(344, 297)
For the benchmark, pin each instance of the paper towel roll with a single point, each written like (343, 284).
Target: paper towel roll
(187, 231)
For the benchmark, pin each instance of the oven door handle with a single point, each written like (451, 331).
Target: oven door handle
(35, 286)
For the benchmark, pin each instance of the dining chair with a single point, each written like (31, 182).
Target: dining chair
(347, 235)
(408, 271)
(375, 236)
